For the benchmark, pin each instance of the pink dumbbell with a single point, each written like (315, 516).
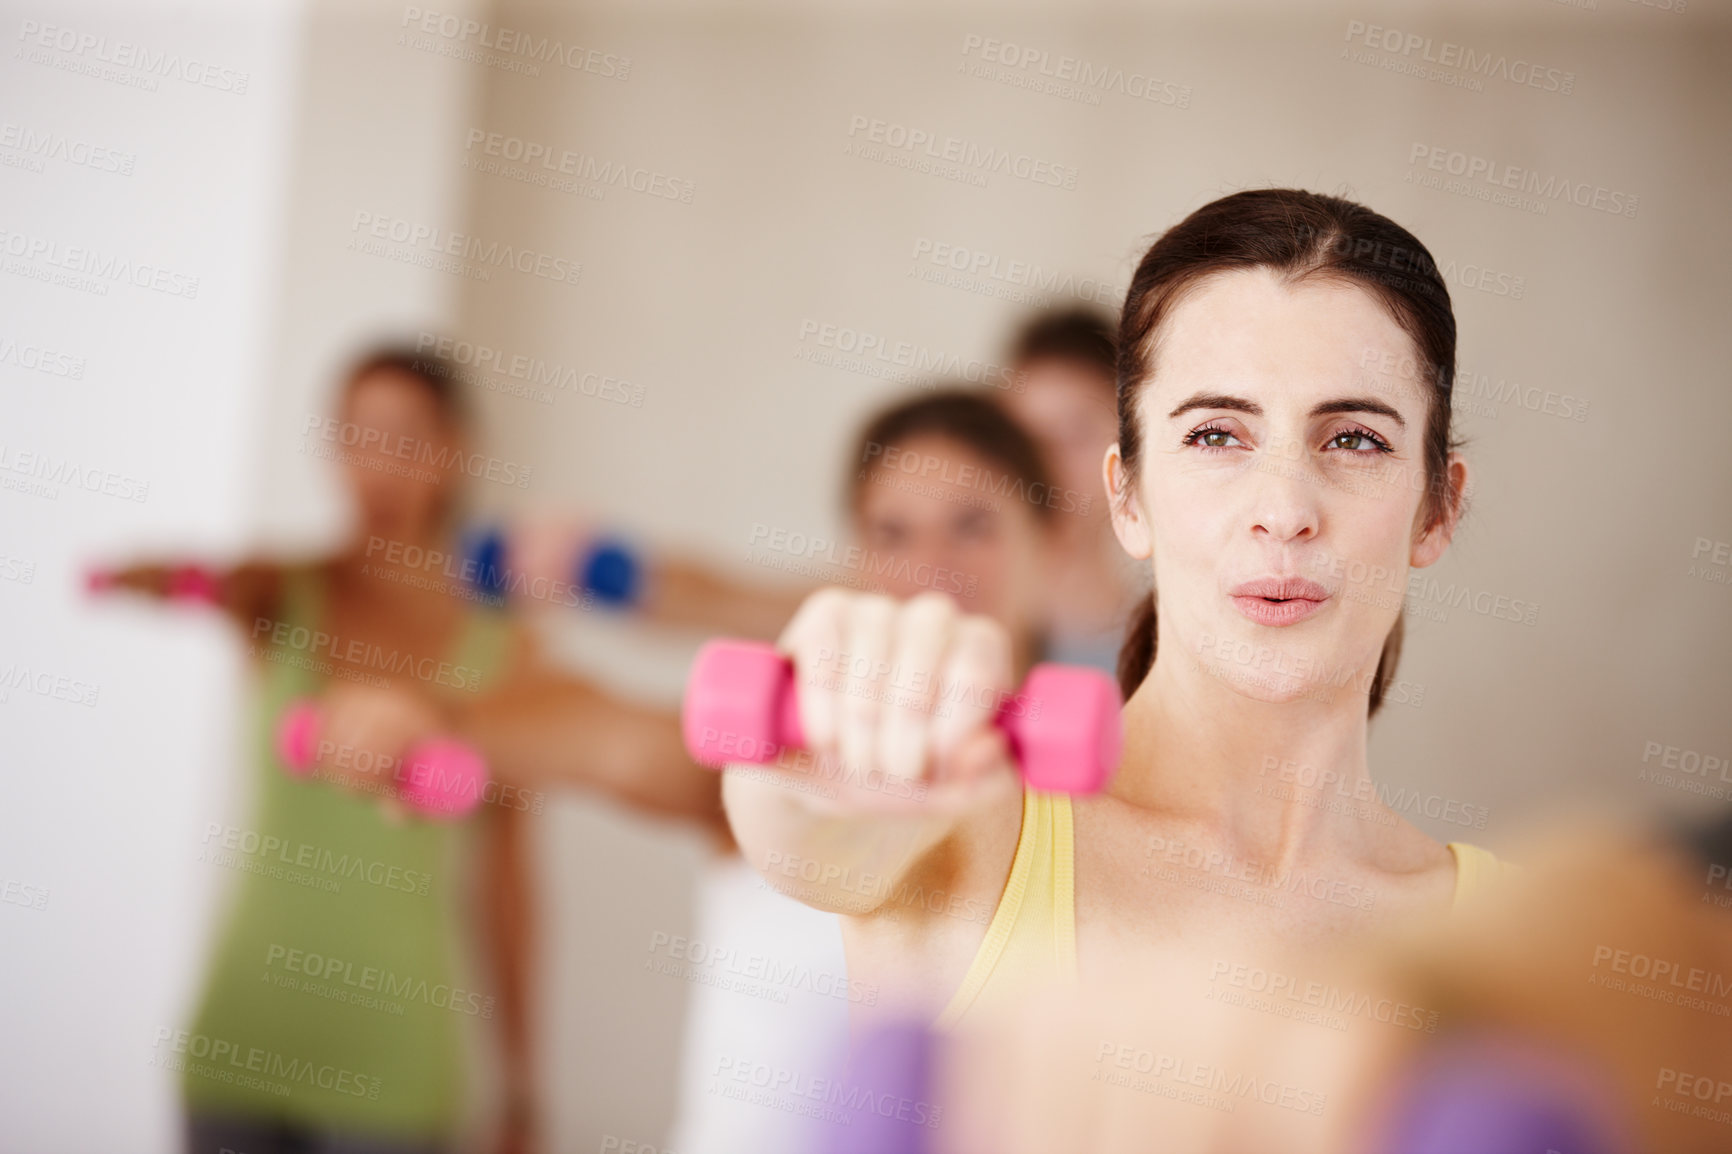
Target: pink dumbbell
(1063, 725)
(195, 583)
(440, 777)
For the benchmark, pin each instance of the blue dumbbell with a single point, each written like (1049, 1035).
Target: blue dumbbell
(610, 571)
(484, 554)
(607, 569)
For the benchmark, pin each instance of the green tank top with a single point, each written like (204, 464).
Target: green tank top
(337, 994)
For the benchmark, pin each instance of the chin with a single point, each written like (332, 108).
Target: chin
(1268, 671)
(1271, 688)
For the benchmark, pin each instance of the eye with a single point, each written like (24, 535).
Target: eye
(1210, 437)
(887, 534)
(1358, 440)
(975, 526)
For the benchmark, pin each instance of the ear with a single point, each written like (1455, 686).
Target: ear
(1429, 546)
(1130, 526)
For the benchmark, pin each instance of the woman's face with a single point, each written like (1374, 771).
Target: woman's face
(1280, 489)
(1067, 406)
(934, 518)
(399, 455)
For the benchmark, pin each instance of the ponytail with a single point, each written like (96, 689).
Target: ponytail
(1386, 663)
(1137, 655)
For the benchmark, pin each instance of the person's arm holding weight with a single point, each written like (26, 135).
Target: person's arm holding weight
(538, 728)
(618, 572)
(688, 594)
(546, 728)
(908, 771)
(246, 593)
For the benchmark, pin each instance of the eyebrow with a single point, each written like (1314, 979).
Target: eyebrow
(1321, 409)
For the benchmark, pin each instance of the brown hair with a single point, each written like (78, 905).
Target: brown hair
(1080, 336)
(960, 414)
(437, 375)
(1299, 235)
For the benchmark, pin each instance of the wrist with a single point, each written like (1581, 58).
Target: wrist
(609, 571)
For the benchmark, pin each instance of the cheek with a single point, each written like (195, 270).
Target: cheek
(1187, 533)
(1081, 455)
(1376, 534)
(986, 563)
(369, 481)
(996, 563)
(1364, 557)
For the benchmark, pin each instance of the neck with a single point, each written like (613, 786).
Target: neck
(1263, 780)
(1024, 651)
(356, 567)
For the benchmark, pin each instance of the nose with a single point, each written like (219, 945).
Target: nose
(919, 567)
(1284, 504)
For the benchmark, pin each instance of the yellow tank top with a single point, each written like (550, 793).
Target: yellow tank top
(1032, 937)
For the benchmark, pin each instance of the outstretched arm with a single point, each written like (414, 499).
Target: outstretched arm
(895, 772)
(689, 594)
(535, 728)
(557, 730)
(668, 589)
(546, 728)
(246, 593)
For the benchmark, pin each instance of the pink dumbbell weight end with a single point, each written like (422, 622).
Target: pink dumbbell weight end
(445, 778)
(1063, 725)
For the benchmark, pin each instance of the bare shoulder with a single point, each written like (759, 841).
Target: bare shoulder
(254, 590)
(1412, 869)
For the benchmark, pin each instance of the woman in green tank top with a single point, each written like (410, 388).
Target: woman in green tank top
(341, 996)
(338, 994)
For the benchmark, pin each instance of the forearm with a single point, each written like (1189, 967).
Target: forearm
(243, 592)
(554, 730)
(149, 580)
(684, 593)
(841, 862)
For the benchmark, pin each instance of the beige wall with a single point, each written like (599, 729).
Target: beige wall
(369, 137)
(130, 435)
(701, 306)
